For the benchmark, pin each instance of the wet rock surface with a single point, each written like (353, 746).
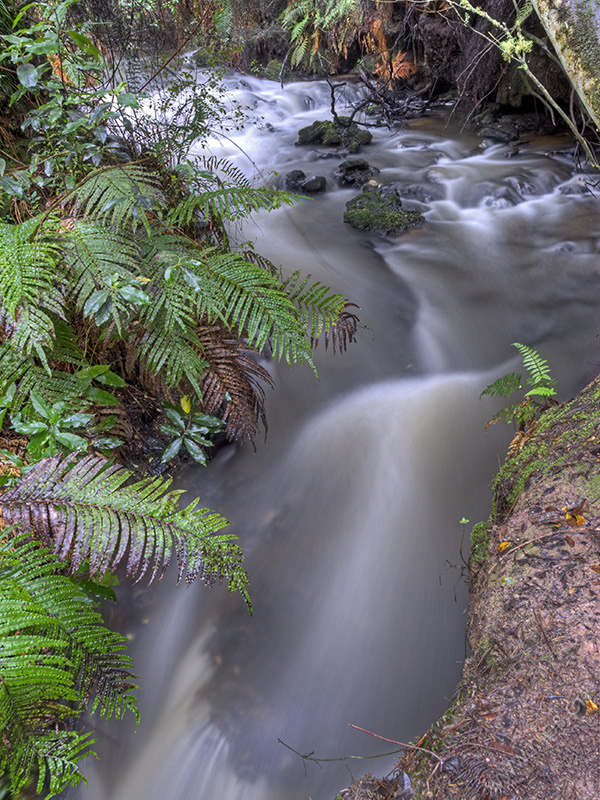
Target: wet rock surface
(355, 172)
(380, 210)
(342, 133)
(298, 181)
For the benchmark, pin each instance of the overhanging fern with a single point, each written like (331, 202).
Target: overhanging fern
(56, 657)
(86, 511)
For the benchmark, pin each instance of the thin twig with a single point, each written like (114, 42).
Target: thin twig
(394, 741)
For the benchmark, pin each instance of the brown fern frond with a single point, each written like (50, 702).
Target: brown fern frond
(343, 332)
(233, 386)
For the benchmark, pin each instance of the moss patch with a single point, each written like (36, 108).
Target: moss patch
(335, 134)
(381, 212)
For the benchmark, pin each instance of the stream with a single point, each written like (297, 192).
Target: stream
(349, 514)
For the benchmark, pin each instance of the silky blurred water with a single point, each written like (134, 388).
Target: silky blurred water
(349, 514)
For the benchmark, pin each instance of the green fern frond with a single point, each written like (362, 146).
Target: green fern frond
(30, 280)
(223, 21)
(65, 348)
(215, 170)
(252, 301)
(117, 196)
(92, 652)
(317, 306)
(56, 656)
(96, 256)
(541, 391)
(228, 203)
(536, 366)
(28, 268)
(85, 511)
(175, 355)
(504, 386)
(228, 288)
(23, 371)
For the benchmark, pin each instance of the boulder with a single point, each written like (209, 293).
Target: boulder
(355, 172)
(500, 132)
(297, 181)
(341, 133)
(380, 210)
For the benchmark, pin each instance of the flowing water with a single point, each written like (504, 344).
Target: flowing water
(349, 515)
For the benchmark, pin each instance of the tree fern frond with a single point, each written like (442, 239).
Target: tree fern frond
(55, 656)
(232, 386)
(117, 196)
(96, 256)
(252, 301)
(215, 168)
(29, 261)
(30, 281)
(318, 307)
(175, 354)
(34, 333)
(86, 512)
(23, 371)
(93, 654)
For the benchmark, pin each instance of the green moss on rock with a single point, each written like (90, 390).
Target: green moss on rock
(381, 212)
(335, 134)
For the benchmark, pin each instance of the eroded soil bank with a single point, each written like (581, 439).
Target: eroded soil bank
(525, 723)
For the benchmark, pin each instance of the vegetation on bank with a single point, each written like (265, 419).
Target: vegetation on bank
(129, 329)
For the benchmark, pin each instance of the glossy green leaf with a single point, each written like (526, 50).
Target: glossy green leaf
(101, 397)
(171, 451)
(196, 452)
(71, 440)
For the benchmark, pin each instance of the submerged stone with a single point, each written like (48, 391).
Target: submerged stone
(333, 134)
(380, 211)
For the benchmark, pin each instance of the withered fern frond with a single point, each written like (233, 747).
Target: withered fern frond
(233, 384)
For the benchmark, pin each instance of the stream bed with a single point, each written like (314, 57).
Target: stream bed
(349, 514)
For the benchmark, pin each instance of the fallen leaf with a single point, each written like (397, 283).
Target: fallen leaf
(595, 567)
(569, 541)
(591, 706)
(503, 546)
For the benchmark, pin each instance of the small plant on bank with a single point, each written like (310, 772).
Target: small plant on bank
(189, 428)
(538, 398)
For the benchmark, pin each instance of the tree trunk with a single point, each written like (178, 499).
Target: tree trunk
(574, 29)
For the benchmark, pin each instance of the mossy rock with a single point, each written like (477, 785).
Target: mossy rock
(380, 211)
(273, 70)
(335, 134)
